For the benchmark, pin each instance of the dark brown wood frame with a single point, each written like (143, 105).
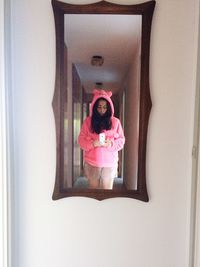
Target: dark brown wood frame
(60, 9)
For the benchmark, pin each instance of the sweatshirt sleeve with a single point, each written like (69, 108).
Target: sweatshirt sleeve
(119, 139)
(84, 139)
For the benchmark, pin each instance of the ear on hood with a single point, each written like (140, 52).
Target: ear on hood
(102, 93)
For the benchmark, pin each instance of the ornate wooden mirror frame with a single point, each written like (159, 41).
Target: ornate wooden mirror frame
(146, 11)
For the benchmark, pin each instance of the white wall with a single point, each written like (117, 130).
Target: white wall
(82, 232)
(131, 128)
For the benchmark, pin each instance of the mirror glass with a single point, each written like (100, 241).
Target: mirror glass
(104, 46)
(103, 37)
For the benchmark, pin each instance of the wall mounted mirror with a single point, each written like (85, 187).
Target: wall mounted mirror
(102, 45)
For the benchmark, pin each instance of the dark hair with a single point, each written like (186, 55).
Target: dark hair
(101, 122)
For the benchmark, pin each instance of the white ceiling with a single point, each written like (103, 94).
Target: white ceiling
(114, 37)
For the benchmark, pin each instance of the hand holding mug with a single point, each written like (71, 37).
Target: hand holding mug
(108, 143)
(96, 143)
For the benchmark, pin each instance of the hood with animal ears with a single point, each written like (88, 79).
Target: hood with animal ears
(101, 94)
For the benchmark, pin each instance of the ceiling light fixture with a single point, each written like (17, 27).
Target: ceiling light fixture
(97, 61)
(99, 85)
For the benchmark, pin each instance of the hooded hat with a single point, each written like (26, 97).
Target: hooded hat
(101, 94)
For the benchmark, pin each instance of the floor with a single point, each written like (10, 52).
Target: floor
(81, 182)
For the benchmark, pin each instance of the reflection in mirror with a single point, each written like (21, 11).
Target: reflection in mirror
(104, 46)
(104, 35)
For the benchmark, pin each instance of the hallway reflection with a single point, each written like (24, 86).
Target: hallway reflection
(119, 73)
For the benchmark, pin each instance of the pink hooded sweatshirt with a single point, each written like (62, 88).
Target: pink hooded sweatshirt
(101, 156)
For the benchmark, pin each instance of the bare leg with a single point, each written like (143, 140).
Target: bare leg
(107, 177)
(93, 182)
(107, 183)
(93, 175)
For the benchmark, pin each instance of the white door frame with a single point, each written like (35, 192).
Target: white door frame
(197, 221)
(3, 175)
(194, 242)
(5, 68)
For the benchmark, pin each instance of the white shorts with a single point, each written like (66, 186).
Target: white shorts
(92, 172)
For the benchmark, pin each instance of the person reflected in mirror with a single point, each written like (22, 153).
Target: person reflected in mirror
(101, 137)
